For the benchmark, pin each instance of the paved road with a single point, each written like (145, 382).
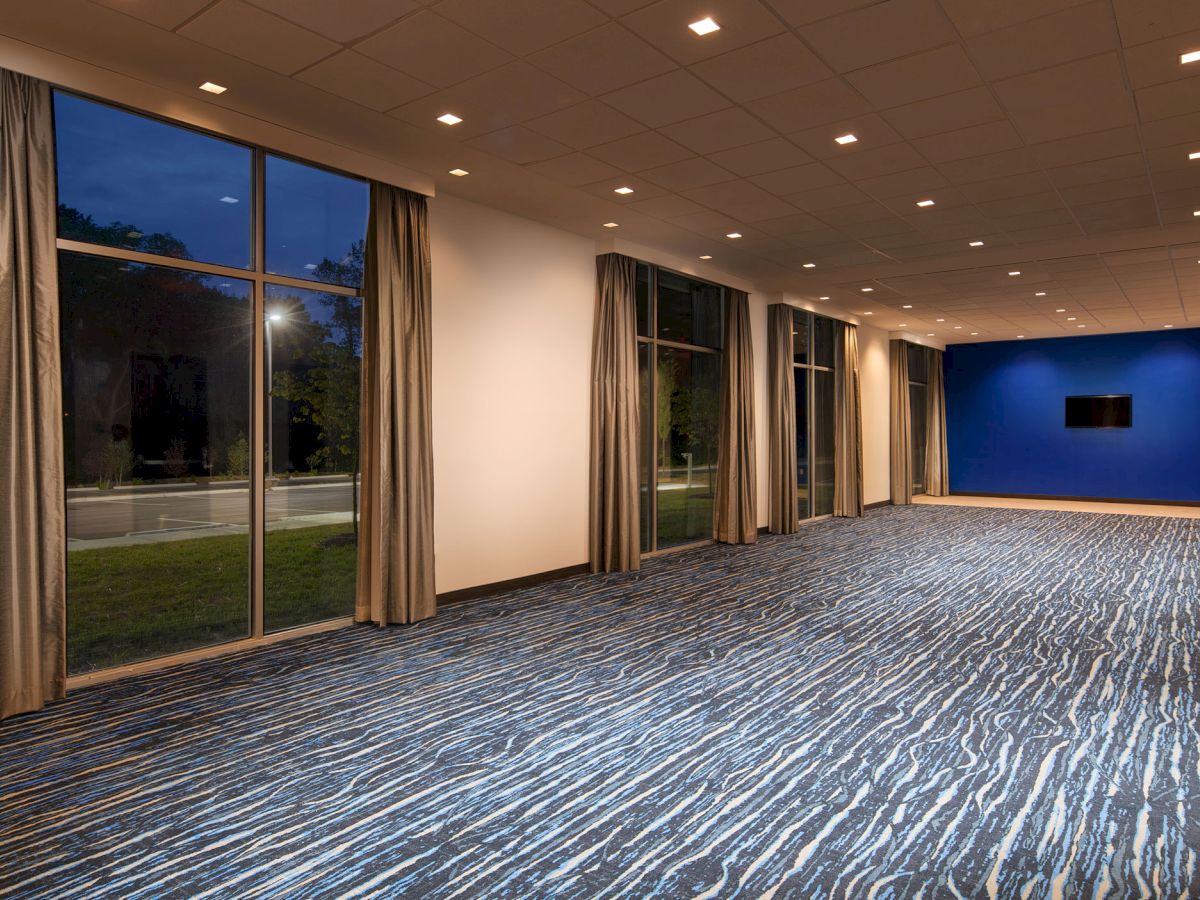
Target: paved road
(144, 514)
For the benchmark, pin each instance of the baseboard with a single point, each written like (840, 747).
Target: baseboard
(878, 504)
(1069, 497)
(512, 584)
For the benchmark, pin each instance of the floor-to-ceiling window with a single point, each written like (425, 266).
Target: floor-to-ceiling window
(211, 340)
(918, 381)
(680, 338)
(813, 361)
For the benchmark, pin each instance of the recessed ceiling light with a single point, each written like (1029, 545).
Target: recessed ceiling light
(706, 256)
(1020, 335)
(1060, 310)
(809, 266)
(449, 119)
(846, 139)
(958, 327)
(822, 298)
(213, 88)
(929, 334)
(734, 235)
(623, 190)
(1081, 326)
(1189, 57)
(975, 244)
(1196, 212)
(902, 325)
(974, 333)
(1168, 326)
(907, 306)
(229, 200)
(1072, 318)
(610, 224)
(1194, 155)
(941, 320)
(459, 172)
(924, 203)
(868, 313)
(1017, 272)
(1039, 293)
(867, 290)
(705, 26)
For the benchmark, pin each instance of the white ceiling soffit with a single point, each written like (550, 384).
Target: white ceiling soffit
(1055, 132)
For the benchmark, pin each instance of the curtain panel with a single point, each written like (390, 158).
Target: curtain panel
(848, 462)
(900, 433)
(784, 514)
(937, 464)
(395, 550)
(736, 504)
(33, 539)
(614, 542)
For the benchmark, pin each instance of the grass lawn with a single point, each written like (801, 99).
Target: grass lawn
(146, 600)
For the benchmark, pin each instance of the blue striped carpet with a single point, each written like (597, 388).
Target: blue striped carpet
(931, 701)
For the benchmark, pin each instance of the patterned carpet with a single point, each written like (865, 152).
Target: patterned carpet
(932, 701)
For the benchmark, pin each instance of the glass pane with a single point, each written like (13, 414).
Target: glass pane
(917, 425)
(316, 223)
(128, 181)
(822, 439)
(689, 311)
(800, 337)
(918, 363)
(687, 400)
(801, 376)
(156, 415)
(643, 300)
(823, 334)
(646, 457)
(314, 368)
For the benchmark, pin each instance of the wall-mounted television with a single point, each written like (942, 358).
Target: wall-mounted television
(1100, 411)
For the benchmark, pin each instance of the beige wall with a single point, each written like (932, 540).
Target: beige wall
(873, 373)
(513, 303)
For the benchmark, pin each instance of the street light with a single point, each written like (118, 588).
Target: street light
(276, 317)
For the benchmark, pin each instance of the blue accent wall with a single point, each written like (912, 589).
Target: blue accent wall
(1005, 416)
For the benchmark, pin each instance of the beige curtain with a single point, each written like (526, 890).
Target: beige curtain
(901, 430)
(33, 538)
(613, 535)
(848, 467)
(784, 515)
(736, 513)
(395, 548)
(937, 468)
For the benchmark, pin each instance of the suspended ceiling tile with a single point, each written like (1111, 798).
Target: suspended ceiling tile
(802, 12)
(764, 156)
(664, 24)
(667, 99)
(586, 125)
(1163, 101)
(687, 174)
(603, 59)
(978, 140)
(1087, 147)
(575, 169)
(881, 161)
(932, 73)
(519, 26)
(1140, 21)
(797, 178)
(342, 21)
(949, 113)
(811, 105)
(1050, 40)
(722, 130)
(433, 49)
(879, 32)
(164, 15)
(363, 80)
(520, 145)
(871, 130)
(771, 66)
(253, 34)
(667, 206)
(1076, 98)
(645, 150)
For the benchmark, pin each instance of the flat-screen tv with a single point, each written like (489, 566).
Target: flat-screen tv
(1100, 411)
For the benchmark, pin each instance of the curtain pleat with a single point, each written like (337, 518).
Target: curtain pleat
(901, 428)
(33, 540)
(937, 468)
(848, 468)
(614, 541)
(395, 551)
(784, 515)
(736, 512)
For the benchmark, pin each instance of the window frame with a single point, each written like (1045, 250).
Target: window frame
(654, 342)
(811, 395)
(259, 279)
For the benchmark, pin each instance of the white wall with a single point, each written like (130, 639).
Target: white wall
(873, 376)
(513, 303)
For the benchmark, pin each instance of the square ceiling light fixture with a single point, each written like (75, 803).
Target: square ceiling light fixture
(449, 119)
(213, 88)
(705, 26)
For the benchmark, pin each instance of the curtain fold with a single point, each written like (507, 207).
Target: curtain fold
(900, 434)
(937, 462)
(848, 466)
(736, 506)
(784, 515)
(395, 548)
(33, 538)
(614, 540)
